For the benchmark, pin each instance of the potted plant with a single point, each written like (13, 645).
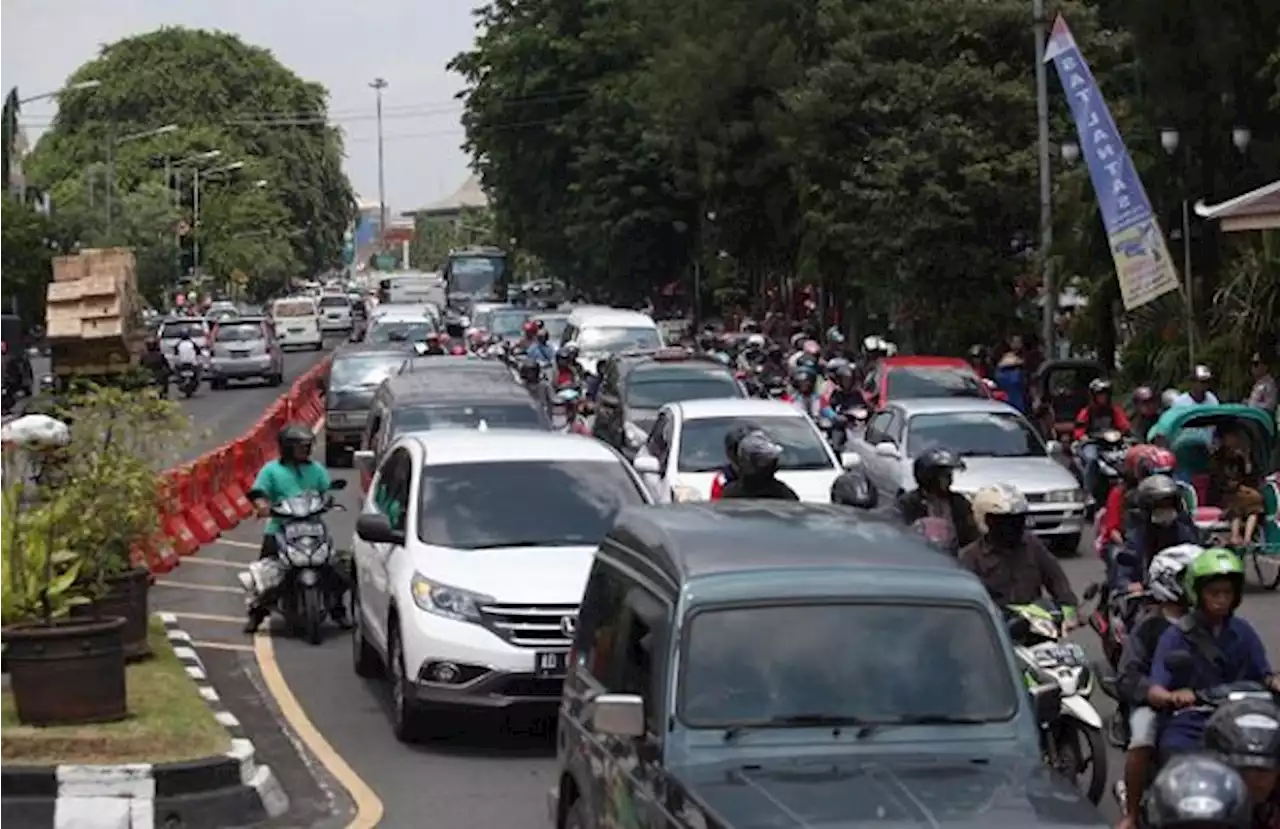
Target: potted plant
(119, 441)
(62, 670)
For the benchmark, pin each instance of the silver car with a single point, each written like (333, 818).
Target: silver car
(245, 348)
(998, 445)
(172, 331)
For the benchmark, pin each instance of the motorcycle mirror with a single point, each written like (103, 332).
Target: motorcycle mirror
(1046, 699)
(340, 483)
(1019, 628)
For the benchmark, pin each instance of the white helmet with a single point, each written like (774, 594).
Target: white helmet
(755, 341)
(1168, 397)
(998, 499)
(1164, 576)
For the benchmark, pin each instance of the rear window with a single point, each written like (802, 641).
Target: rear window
(334, 302)
(401, 331)
(910, 382)
(238, 332)
(653, 387)
(294, 308)
(176, 330)
(509, 416)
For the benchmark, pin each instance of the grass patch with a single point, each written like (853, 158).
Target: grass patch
(168, 720)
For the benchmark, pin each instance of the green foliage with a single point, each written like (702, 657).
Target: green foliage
(223, 95)
(28, 258)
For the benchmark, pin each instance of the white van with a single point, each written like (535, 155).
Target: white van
(297, 321)
(600, 332)
(335, 312)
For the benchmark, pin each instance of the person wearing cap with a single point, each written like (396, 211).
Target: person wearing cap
(1264, 393)
(1011, 378)
(1199, 395)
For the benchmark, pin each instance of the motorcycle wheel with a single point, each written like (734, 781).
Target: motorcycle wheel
(1066, 759)
(311, 613)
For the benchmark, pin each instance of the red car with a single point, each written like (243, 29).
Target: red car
(906, 378)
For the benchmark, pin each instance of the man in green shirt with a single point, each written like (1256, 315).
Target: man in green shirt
(292, 474)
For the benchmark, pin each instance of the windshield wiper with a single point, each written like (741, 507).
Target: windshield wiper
(919, 719)
(836, 721)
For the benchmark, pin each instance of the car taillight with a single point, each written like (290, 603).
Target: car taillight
(4, 347)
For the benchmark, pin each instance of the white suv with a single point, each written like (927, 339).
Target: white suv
(471, 554)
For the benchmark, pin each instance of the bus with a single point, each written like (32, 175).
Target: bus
(477, 274)
(412, 288)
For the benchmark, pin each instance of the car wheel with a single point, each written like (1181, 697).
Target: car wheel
(404, 711)
(1067, 546)
(275, 380)
(217, 385)
(318, 346)
(364, 659)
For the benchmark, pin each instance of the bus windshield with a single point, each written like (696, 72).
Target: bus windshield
(476, 274)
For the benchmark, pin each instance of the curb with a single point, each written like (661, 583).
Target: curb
(210, 793)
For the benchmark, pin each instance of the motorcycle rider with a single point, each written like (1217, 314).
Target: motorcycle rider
(758, 457)
(433, 347)
(1161, 521)
(752, 353)
(1164, 584)
(292, 474)
(154, 361)
(567, 373)
(1098, 416)
(1013, 564)
(977, 360)
(1244, 735)
(805, 393)
(1146, 411)
(1199, 394)
(729, 471)
(1221, 801)
(934, 471)
(542, 350)
(187, 353)
(1210, 646)
(530, 371)
(842, 392)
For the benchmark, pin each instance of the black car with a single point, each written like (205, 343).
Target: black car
(749, 664)
(634, 386)
(357, 371)
(18, 377)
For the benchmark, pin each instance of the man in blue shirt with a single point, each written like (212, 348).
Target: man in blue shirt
(1207, 647)
(292, 474)
(541, 350)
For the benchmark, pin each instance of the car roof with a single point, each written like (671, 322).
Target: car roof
(919, 361)
(950, 405)
(436, 365)
(610, 316)
(736, 407)
(453, 446)
(402, 313)
(176, 320)
(687, 541)
(461, 391)
(403, 350)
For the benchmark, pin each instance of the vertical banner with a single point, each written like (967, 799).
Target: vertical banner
(1138, 248)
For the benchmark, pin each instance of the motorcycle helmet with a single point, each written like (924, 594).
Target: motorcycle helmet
(977, 352)
(1158, 461)
(707, 341)
(1099, 386)
(1213, 564)
(530, 371)
(1144, 394)
(570, 351)
(1160, 499)
(1164, 575)
(1201, 374)
(734, 436)
(294, 435)
(1196, 791)
(755, 342)
(803, 374)
(1245, 733)
(750, 326)
(530, 329)
(1131, 458)
(1000, 512)
(853, 489)
(758, 455)
(1167, 398)
(933, 465)
(811, 348)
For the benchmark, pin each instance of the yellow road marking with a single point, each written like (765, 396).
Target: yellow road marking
(186, 585)
(368, 806)
(231, 542)
(222, 646)
(208, 617)
(216, 562)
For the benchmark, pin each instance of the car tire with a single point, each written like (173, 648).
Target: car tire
(364, 659)
(318, 346)
(217, 385)
(575, 817)
(404, 711)
(275, 380)
(1068, 546)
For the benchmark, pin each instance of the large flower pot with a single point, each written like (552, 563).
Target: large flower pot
(125, 597)
(67, 673)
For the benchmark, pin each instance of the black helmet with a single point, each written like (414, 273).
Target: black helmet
(734, 436)
(1245, 733)
(932, 463)
(758, 455)
(852, 489)
(530, 370)
(294, 434)
(1195, 791)
(1158, 491)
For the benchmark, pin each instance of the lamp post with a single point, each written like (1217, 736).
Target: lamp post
(7, 128)
(379, 84)
(173, 180)
(195, 209)
(114, 141)
(1048, 324)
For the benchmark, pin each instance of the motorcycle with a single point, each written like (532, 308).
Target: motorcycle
(306, 572)
(1107, 464)
(1112, 616)
(188, 379)
(566, 413)
(1042, 650)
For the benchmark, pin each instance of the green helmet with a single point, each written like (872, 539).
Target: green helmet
(1214, 563)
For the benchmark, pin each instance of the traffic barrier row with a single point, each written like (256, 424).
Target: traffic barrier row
(202, 499)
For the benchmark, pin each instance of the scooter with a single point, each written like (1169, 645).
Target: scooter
(1041, 649)
(307, 572)
(188, 379)
(1107, 465)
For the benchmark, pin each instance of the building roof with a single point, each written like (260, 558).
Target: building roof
(1256, 210)
(470, 196)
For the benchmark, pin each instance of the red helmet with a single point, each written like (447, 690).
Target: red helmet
(1159, 461)
(530, 328)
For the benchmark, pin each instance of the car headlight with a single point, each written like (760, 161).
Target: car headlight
(682, 494)
(1064, 496)
(443, 600)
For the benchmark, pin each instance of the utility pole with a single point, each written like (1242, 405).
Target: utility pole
(111, 185)
(1050, 290)
(379, 84)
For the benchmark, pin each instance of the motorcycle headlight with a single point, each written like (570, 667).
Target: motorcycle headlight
(443, 600)
(307, 552)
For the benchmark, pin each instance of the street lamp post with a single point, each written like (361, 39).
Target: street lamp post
(175, 185)
(195, 218)
(1048, 324)
(74, 87)
(379, 84)
(114, 141)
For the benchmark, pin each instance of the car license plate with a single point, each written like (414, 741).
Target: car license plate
(550, 663)
(239, 353)
(304, 529)
(295, 330)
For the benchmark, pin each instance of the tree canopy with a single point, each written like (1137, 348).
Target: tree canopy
(885, 151)
(280, 214)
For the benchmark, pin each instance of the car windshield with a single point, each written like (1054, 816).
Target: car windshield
(555, 326)
(294, 308)
(619, 339)
(363, 370)
(974, 434)
(241, 332)
(507, 324)
(335, 301)
(177, 330)
(702, 442)
(654, 389)
(912, 382)
(475, 274)
(510, 416)
(746, 666)
(401, 331)
(522, 503)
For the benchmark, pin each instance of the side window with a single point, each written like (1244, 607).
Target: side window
(369, 441)
(878, 427)
(894, 432)
(659, 443)
(599, 619)
(391, 496)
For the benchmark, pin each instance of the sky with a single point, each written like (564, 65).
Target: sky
(341, 45)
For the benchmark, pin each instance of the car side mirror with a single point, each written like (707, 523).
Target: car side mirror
(1019, 628)
(1046, 701)
(647, 465)
(362, 459)
(376, 529)
(850, 460)
(340, 483)
(619, 715)
(886, 450)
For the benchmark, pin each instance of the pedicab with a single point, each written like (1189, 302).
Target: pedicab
(1060, 389)
(1192, 433)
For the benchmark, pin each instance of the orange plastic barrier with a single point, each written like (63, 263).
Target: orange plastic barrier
(196, 504)
(233, 487)
(172, 518)
(212, 471)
